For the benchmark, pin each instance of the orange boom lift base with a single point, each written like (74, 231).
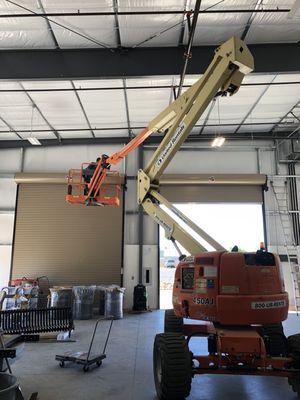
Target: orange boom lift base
(236, 300)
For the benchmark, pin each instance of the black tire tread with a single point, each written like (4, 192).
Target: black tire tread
(173, 324)
(278, 340)
(294, 349)
(176, 364)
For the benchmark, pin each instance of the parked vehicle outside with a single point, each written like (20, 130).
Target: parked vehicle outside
(170, 264)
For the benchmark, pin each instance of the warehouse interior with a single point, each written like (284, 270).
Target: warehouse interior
(83, 79)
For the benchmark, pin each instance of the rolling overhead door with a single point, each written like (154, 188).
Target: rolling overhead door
(69, 244)
(219, 188)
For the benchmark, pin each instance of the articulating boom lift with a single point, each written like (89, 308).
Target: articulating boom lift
(238, 297)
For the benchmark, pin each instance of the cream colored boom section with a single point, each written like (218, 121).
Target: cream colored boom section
(232, 61)
(217, 246)
(172, 228)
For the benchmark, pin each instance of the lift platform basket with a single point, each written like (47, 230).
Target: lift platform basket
(83, 190)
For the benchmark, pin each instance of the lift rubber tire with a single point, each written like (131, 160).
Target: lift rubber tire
(172, 366)
(294, 348)
(295, 384)
(277, 338)
(173, 324)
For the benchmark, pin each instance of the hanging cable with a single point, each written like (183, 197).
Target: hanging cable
(182, 22)
(157, 34)
(188, 53)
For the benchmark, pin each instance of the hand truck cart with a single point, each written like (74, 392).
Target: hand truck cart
(85, 358)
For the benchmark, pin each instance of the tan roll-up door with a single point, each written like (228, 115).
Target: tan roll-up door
(218, 188)
(68, 243)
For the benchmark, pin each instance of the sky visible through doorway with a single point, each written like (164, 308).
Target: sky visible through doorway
(229, 224)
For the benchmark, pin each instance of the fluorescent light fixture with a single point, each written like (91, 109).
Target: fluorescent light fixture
(34, 141)
(218, 141)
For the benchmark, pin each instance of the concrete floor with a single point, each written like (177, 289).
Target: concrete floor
(126, 374)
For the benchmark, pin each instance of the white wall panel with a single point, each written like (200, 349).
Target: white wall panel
(132, 163)
(131, 195)
(131, 278)
(131, 229)
(10, 160)
(150, 261)
(210, 161)
(61, 159)
(266, 160)
(5, 258)
(8, 189)
(6, 229)
(150, 231)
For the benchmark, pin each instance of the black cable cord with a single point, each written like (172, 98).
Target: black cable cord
(104, 45)
(182, 22)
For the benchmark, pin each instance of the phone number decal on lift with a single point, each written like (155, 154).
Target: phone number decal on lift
(264, 305)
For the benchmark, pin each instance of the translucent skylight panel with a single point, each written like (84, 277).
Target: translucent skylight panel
(100, 29)
(17, 110)
(78, 5)
(8, 136)
(150, 81)
(24, 33)
(253, 128)
(273, 28)
(145, 104)
(217, 28)
(98, 83)
(112, 133)
(38, 134)
(75, 134)
(153, 5)
(105, 108)
(233, 109)
(61, 109)
(137, 29)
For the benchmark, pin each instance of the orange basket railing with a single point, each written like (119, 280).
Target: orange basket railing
(83, 189)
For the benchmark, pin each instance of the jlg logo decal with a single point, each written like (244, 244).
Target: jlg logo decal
(203, 301)
(171, 143)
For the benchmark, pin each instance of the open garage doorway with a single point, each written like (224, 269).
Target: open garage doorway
(231, 224)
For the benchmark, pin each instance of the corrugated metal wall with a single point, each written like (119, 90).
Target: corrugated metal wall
(69, 244)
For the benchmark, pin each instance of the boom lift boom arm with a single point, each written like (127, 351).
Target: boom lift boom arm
(232, 61)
